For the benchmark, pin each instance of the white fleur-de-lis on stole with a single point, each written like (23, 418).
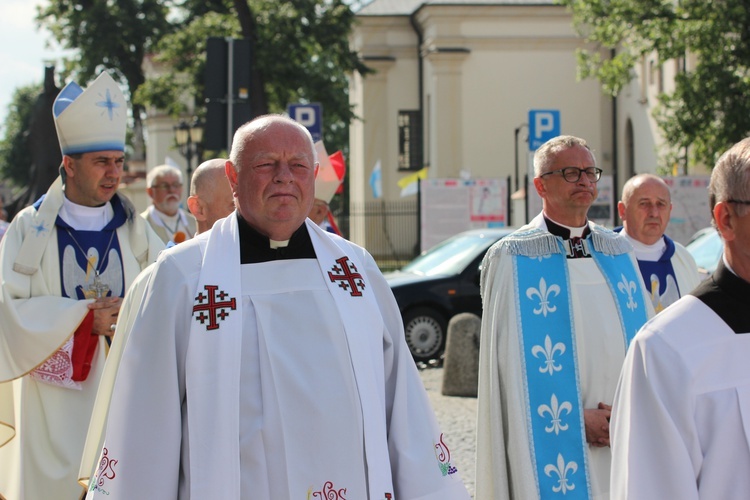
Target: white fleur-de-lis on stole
(628, 287)
(561, 469)
(544, 295)
(550, 365)
(555, 411)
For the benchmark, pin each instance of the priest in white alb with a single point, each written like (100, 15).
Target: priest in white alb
(681, 415)
(268, 359)
(65, 264)
(562, 297)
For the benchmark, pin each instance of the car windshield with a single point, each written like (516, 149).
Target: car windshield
(451, 256)
(706, 249)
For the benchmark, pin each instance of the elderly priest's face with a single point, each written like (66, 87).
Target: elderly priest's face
(275, 181)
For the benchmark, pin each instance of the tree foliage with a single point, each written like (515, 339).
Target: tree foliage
(300, 54)
(15, 154)
(112, 35)
(708, 111)
(300, 47)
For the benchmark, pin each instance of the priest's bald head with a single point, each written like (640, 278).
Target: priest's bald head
(271, 169)
(729, 196)
(211, 196)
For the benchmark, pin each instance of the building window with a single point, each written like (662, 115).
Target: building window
(409, 140)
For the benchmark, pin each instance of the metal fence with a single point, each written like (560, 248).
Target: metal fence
(389, 230)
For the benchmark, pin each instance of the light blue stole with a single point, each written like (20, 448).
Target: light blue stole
(548, 344)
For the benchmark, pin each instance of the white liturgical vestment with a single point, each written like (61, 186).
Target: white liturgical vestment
(681, 417)
(43, 426)
(506, 458)
(261, 385)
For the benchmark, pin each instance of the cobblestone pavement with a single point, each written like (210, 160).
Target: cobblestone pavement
(458, 420)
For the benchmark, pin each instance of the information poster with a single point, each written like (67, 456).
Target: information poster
(450, 206)
(690, 208)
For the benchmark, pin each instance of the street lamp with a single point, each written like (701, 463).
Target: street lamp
(189, 139)
(515, 145)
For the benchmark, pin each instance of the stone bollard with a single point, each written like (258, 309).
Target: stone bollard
(461, 364)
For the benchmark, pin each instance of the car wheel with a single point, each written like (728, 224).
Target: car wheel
(425, 331)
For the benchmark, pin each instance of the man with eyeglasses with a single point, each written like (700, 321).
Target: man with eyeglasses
(169, 221)
(668, 269)
(562, 297)
(680, 420)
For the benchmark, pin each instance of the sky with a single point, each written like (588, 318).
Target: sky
(24, 54)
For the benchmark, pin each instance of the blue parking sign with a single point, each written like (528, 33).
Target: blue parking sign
(544, 124)
(310, 116)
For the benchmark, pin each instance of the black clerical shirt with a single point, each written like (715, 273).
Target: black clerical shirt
(256, 248)
(574, 245)
(728, 296)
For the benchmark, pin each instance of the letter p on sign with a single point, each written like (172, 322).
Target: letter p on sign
(544, 124)
(310, 116)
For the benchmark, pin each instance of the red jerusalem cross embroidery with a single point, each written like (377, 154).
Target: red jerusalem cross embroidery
(350, 277)
(211, 305)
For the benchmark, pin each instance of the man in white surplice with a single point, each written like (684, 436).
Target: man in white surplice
(234, 384)
(681, 414)
(65, 264)
(561, 299)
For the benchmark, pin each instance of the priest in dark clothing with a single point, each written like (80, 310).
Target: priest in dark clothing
(268, 358)
(681, 416)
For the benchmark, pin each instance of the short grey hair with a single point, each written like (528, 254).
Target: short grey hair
(545, 155)
(162, 171)
(730, 179)
(243, 135)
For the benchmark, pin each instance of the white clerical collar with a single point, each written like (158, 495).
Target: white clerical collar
(278, 244)
(575, 232)
(649, 253)
(83, 218)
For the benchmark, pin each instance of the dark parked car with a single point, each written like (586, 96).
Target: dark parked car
(437, 285)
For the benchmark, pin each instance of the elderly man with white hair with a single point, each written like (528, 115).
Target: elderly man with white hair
(168, 220)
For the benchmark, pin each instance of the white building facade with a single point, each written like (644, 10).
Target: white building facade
(469, 72)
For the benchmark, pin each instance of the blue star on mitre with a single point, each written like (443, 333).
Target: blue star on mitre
(109, 104)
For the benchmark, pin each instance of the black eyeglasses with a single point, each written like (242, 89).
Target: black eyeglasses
(572, 174)
(739, 202)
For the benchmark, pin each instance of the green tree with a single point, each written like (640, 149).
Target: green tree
(113, 35)
(708, 110)
(300, 54)
(15, 155)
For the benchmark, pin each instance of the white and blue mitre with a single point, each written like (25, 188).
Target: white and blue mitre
(547, 338)
(91, 120)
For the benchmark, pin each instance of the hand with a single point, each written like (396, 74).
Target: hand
(597, 425)
(105, 310)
